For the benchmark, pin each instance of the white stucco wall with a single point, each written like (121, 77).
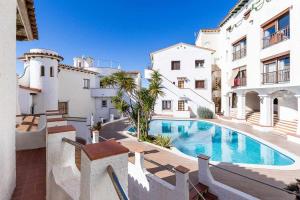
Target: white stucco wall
(186, 54)
(8, 98)
(80, 102)
(25, 101)
(251, 28)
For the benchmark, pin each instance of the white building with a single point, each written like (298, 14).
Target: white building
(46, 84)
(186, 74)
(257, 50)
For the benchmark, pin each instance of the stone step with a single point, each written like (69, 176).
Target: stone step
(286, 130)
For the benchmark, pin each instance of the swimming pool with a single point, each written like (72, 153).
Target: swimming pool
(221, 144)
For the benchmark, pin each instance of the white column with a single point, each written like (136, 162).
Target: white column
(95, 136)
(298, 126)
(226, 106)
(266, 110)
(241, 106)
(182, 185)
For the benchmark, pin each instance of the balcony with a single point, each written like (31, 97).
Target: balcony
(239, 82)
(239, 54)
(280, 76)
(277, 37)
(104, 92)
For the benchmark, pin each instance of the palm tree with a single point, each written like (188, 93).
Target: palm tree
(140, 102)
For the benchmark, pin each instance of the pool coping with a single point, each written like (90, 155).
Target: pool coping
(290, 155)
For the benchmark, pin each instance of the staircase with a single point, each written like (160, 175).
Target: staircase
(253, 117)
(282, 126)
(203, 189)
(233, 112)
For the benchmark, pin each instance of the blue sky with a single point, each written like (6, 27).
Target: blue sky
(125, 31)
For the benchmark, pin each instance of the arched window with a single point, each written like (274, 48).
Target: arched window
(42, 70)
(51, 72)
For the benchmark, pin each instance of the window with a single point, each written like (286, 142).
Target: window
(175, 65)
(199, 84)
(86, 83)
(42, 70)
(101, 84)
(181, 84)
(276, 30)
(104, 103)
(239, 49)
(276, 70)
(63, 107)
(199, 63)
(166, 105)
(51, 72)
(181, 105)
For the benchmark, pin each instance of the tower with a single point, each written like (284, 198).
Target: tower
(42, 71)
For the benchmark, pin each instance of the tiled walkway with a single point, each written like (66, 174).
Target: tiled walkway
(31, 175)
(167, 159)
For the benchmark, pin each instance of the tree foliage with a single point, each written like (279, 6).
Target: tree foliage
(131, 100)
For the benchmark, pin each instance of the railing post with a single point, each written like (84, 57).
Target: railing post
(139, 158)
(182, 185)
(95, 181)
(204, 174)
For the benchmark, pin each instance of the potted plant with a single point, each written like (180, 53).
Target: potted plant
(95, 132)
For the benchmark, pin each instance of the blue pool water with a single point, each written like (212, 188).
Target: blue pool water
(221, 144)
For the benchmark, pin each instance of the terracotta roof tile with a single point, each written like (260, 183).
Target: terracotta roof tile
(104, 149)
(59, 129)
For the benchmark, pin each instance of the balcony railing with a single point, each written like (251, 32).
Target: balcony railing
(280, 76)
(240, 82)
(276, 37)
(239, 54)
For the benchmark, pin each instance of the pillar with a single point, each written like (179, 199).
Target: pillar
(226, 106)
(95, 180)
(298, 117)
(266, 110)
(182, 184)
(241, 106)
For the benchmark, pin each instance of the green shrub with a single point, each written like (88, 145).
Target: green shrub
(164, 141)
(205, 113)
(147, 138)
(97, 126)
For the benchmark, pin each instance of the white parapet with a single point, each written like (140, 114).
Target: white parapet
(146, 186)
(223, 191)
(60, 158)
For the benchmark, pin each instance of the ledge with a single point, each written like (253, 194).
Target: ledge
(203, 157)
(182, 169)
(104, 149)
(55, 120)
(59, 129)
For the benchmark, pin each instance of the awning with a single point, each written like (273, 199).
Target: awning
(233, 75)
(181, 78)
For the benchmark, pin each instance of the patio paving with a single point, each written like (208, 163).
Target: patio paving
(164, 159)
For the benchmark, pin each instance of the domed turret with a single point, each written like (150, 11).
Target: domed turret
(43, 71)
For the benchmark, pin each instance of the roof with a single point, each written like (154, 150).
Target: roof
(133, 72)
(26, 21)
(181, 43)
(31, 89)
(40, 54)
(211, 30)
(77, 69)
(237, 7)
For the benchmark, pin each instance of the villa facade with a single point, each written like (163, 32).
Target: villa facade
(257, 52)
(75, 91)
(186, 79)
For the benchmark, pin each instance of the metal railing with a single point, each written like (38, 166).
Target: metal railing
(255, 180)
(239, 54)
(279, 76)
(238, 82)
(117, 185)
(276, 37)
(194, 187)
(72, 142)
